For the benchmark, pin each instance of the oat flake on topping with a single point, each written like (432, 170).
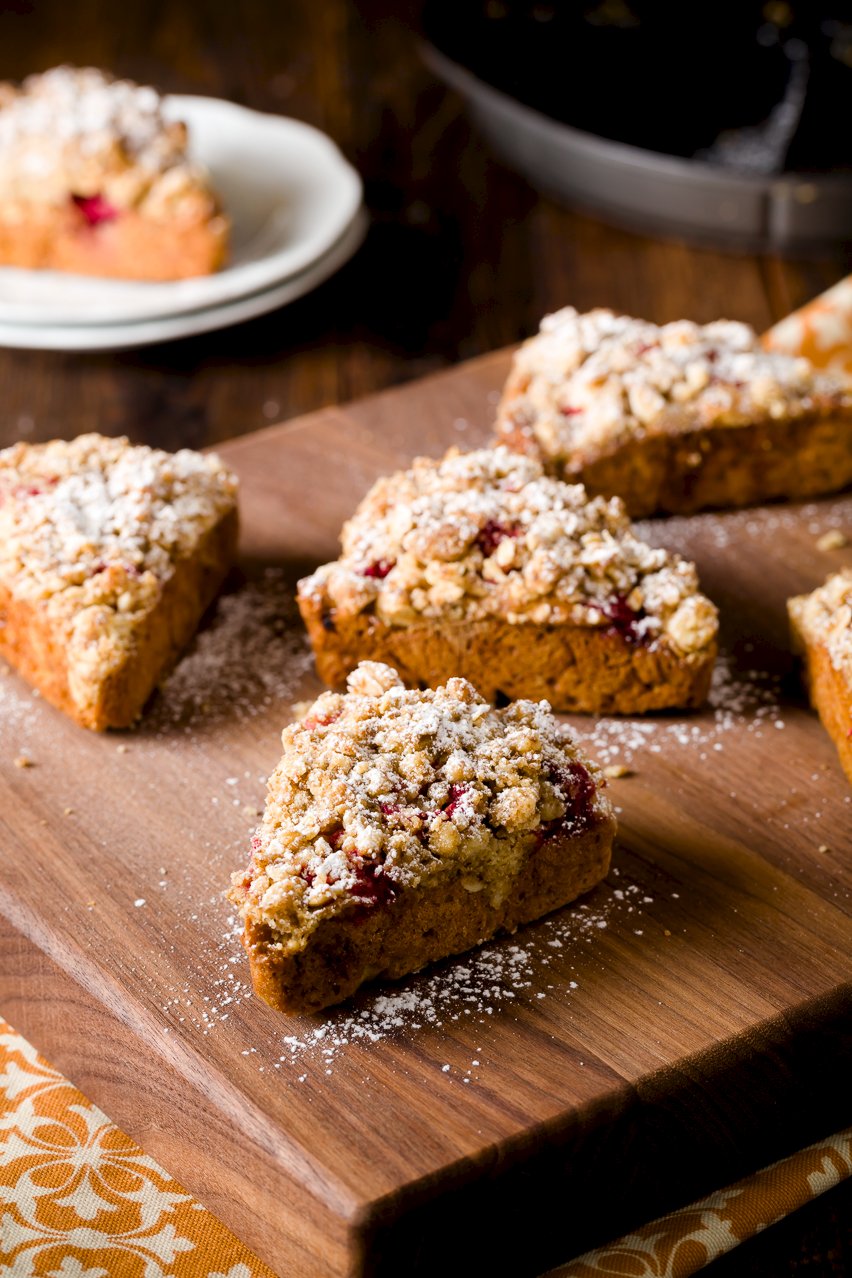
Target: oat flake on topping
(486, 533)
(90, 530)
(587, 383)
(381, 787)
(77, 131)
(825, 617)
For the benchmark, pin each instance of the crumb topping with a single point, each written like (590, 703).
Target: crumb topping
(91, 529)
(486, 533)
(78, 133)
(587, 383)
(381, 788)
(825, 617)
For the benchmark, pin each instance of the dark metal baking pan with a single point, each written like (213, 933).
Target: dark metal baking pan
(647, 191)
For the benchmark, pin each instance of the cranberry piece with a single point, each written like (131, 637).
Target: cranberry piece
(623, 620)
(335, 837)
(320, 720)
(35, 489)
(489, 537)
(372, 886)
(251, 868)
(575, 787)
(379, 568)
(95, 209)
(567, 410)
(456, 794)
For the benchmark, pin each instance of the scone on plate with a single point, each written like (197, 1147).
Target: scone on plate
(678, 417)
(109, 556)
(821, 623)
(479, 565)
(404, 826)
(95, 179)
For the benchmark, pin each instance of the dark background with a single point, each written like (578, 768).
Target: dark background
(462, 257)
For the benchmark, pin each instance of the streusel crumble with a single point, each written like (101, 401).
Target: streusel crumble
(94, 178)
(486, 538)
(108, 556)
(592, 390)
(402, 826)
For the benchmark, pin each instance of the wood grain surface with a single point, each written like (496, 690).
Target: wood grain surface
(706, 1032)
(462, 257)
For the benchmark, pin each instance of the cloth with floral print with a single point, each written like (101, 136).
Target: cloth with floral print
(678, 1245)
(79, 1199)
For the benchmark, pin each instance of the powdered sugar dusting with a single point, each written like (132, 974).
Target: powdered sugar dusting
(476, 988)
(734, 527)
(254, 654)
(739, 701)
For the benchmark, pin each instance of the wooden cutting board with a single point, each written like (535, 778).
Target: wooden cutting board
(688, 1022)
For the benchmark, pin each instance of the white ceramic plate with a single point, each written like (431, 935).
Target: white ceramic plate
(290, 195)
(105, 337)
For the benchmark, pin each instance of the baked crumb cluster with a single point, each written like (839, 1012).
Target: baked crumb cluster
(78, 134)
(825, 617)
(486, 534)
(90, 529)
(588, 382)
(381, 787)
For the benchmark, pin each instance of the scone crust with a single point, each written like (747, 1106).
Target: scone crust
(423, 927)
(482, 566)
(96, 180)
(576, 668)
(134, 247)
(675, 418)
(109, 555)
(404, 826)
(821, 626)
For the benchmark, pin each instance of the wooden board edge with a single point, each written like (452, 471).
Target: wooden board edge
(230, 449)
(676, 1122)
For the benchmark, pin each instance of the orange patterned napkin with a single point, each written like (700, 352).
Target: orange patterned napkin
(81, 1200)
(678, 1245)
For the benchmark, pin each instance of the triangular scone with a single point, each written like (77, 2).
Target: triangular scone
(95, 179)
(109, 555)
(481, 566)
(821, 623)
(675, 418)
(404, 826)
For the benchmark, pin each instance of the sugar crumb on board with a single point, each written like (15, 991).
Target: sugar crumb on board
(739, 700)
(252, 655)
(474, 988)
(834, 539)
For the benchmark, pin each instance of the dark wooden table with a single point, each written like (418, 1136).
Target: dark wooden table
(462, 257)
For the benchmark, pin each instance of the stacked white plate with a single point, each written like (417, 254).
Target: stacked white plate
(297, 216)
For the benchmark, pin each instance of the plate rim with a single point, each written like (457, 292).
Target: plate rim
(149, 332)
(231, 283)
